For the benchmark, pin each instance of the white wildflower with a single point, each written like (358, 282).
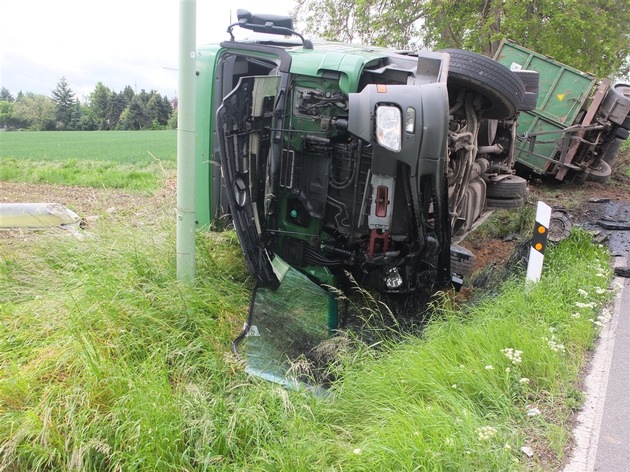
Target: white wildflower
(582, 292)
(454, 386)
(486, 432)
(513, 355)
(508, 370)
(357, 451)
(448, 441)
(555, 346)
(575, 315)
(585, 305)
(600, 291)
(489, 367)
(524, 381)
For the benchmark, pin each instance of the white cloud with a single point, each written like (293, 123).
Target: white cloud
(117, 42)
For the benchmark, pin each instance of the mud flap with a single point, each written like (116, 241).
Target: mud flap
(284, 326)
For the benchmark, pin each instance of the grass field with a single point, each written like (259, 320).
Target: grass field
(132, 160)
(107, 362)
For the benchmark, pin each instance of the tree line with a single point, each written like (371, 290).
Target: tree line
(590, 35)
(103, 109)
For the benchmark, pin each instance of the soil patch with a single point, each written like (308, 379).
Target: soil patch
(91, 204)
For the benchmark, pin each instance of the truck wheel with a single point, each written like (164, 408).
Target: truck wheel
(505, 203)
(509, 187)
(600, 173)
(626, 123)
(502, 89)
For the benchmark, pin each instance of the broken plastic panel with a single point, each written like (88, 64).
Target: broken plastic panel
(285, 325)
(36, 215)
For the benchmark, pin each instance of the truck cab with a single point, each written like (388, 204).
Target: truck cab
(344, 159)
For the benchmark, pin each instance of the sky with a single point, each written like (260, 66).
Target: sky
(117, 42)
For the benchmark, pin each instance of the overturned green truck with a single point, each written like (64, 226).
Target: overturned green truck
(336, 161)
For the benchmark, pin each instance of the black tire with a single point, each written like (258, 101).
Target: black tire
(623, 90)
(510, 187)
(505, 203)
(502, 89)
(601, 173)
(622, 133)
(487, 132)
(530, 100)
(612, 151)
(626, 123)
(530, 79)
(617, 99)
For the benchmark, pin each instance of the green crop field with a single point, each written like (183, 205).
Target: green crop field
(133, 160)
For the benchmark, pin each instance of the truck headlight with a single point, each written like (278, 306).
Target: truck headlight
(388, 127)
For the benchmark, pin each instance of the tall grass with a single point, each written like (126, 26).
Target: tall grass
(134, 160)
(107, 363)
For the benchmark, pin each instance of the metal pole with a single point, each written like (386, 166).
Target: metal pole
(186, 142)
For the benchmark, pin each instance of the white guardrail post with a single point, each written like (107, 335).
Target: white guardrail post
(539, 242)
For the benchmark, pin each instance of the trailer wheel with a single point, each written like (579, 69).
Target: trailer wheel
(622, 133)
(530, 79)
(502, 89)
(530, 100)
(612, 151)
(622, 89)
(512, 186)
(600, 173)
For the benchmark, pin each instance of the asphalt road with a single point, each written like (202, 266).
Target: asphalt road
(613, 446)
(602, 434)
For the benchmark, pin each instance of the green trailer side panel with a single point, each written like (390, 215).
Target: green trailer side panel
(546, 145)
(563, 94)
(563, 89)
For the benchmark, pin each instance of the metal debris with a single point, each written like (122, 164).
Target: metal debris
(614, 225)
